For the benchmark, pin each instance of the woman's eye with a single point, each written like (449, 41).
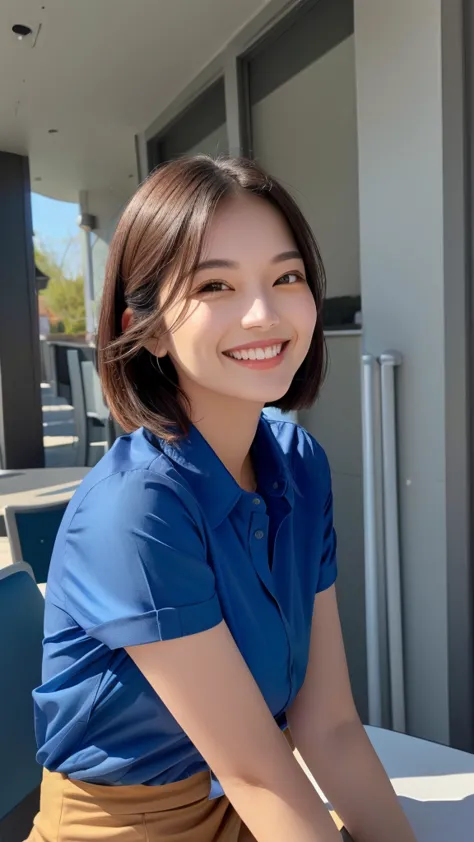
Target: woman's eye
(289, 278)
(214, 286)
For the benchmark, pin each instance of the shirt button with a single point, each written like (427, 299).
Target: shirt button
(259, 534)
(256, 501)
(275, 485)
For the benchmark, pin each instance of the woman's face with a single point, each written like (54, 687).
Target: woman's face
(251, 313)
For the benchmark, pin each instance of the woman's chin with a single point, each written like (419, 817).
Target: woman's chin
(263, 396)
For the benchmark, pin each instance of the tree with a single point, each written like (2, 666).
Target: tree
(63, 297)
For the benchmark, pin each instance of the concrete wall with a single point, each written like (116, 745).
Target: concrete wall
(305, 132)
(335, 420)
(399, 103)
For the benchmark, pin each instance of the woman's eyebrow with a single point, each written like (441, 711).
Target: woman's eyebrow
(217, 263)
(292, 254)
(221, 263)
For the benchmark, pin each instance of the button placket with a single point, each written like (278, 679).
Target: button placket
(259, 553)
(258, 546)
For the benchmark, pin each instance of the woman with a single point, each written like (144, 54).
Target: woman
(191, 613)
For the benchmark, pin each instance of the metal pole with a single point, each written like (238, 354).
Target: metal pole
(374, 678)
(388, 362)
(89, 284)
(87, 223)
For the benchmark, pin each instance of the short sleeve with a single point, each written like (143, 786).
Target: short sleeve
(328, 568)
(313, 477)
(135, 568)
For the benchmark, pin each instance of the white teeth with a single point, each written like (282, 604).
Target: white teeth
(257, 353)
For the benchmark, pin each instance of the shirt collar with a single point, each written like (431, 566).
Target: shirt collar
(214, 487)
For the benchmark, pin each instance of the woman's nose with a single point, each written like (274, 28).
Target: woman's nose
(261, 315)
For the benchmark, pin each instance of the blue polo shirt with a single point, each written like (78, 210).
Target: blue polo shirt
(160, 542)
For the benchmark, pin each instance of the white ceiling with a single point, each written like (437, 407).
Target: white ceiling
(100, 72)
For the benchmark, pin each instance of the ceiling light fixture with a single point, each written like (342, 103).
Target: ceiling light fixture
(21, 31)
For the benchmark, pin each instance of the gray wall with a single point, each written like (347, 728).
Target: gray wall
(399, 102)
(336, 422)
(458, 176)
(305, 133)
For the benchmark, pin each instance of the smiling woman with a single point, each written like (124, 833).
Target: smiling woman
(240, 301)
(190, 607)
(225, 258)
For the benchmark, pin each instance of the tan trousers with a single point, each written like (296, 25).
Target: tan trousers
(73, 811)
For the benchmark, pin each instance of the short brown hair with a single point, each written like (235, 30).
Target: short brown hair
(160, 234)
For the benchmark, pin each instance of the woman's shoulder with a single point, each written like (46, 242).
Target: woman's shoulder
(132, 481)
(305, 459)
(124, 507)
(297, 444)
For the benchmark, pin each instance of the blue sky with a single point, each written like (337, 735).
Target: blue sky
(55, 227)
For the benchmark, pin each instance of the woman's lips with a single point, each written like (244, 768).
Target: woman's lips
(274, 353)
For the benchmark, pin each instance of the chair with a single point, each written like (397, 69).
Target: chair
(32, 531)
(91, 414)
(21, 635)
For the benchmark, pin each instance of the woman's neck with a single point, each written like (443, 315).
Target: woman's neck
(229, 427)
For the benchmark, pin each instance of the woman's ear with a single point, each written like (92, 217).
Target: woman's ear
(155, 347)
(126, 319)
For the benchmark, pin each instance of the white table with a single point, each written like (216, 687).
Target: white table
(435, 785)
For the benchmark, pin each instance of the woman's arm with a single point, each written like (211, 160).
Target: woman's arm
(332, 741)
(206, 685)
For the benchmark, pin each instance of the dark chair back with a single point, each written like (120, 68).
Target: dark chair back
(21, 635)
(93, 397)
(91, 415)
(58, 365)
(79, 404)
(32, 532)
